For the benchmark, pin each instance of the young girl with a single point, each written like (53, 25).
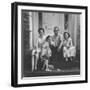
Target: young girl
(69, 50)
(46, 53)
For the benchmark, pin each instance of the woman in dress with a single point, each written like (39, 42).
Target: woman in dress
(69, 50)
(38, 47)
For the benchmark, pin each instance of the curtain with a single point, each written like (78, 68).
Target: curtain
(74, 28)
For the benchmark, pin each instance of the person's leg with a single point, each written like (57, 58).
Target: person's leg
(65, 52)
(33, 63)
(60, 59)
(46, 62)
(68, 54)
(72, 52)
(56, 58)
(53, 57)
(36, 60)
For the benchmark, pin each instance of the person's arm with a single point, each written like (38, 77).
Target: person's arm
(70, 42)
(61, 39)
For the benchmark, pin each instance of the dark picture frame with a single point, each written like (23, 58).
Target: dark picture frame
(14, 43)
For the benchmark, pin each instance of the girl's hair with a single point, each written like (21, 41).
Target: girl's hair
(48, 37)
(66, 33)
(40, 30)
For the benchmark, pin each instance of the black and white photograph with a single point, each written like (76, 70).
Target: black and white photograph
(50, 43)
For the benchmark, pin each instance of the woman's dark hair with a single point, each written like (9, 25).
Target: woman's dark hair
(48, 37)
(40, 30)
(66, 33)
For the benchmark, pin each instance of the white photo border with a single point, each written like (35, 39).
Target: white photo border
(47, 79)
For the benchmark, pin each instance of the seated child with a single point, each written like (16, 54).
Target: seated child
(69, 50)
(46, 53)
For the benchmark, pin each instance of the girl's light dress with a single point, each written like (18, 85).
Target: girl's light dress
(69, 50)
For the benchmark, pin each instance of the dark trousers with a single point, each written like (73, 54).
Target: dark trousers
(57, 57)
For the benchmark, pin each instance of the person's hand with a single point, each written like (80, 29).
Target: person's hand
(52, 43)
